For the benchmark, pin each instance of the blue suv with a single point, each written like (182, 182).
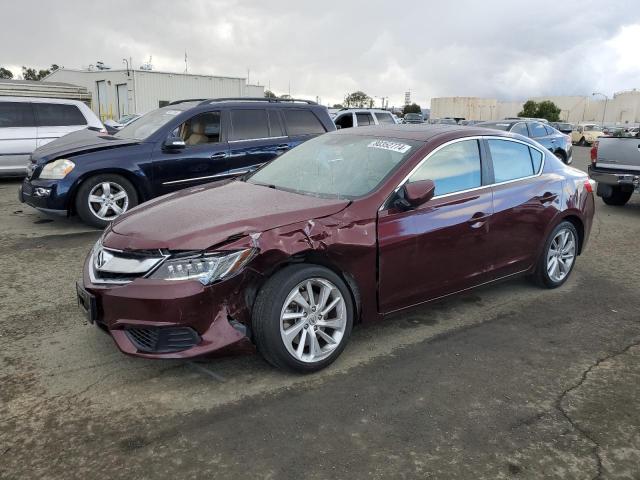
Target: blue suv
(186, 143)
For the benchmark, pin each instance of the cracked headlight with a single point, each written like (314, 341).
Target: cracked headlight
(206, 267)
(57, 169)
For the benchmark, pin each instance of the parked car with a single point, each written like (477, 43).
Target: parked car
(444, 121)
(615, 166)
(113, 126)
(557, 143)
(362, 117)
(413, 118)
(586, 134)
(563, 127)
(346, 228)
(469, 123)
(27, 123)
(100, 177)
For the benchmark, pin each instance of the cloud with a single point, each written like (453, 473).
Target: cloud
(504, 49)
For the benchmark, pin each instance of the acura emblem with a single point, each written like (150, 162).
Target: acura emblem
(102, 258)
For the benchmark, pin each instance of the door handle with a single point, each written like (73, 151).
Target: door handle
(478, 219)
(548, 197)
(283, 146)
(219, 155)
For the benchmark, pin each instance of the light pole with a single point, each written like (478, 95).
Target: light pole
(604, 111)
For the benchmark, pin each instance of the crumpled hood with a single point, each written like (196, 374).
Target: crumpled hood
(201, 217)
(79, 142)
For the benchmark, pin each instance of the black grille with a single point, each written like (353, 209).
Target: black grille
(162, 339)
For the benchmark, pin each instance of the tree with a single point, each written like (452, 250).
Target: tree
(358, 99)
(413, 108)
(337, 105)
(5, 73)
(269, 94)
(29, 73)
(545, 109)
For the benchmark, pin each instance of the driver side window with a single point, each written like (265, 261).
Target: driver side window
(201, 129)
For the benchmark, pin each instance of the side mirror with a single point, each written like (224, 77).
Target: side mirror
(174, 143)
(418, 193)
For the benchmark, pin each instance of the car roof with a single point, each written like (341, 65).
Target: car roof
(63, 101)
(421, 132)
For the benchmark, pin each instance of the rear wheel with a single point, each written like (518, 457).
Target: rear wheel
(558, 257)
(103, 198)
(302, 318)
(559, 154)
(617, 197)
(582, 142)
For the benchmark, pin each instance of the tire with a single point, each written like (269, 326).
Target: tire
(545, 277)
(274, 302)
(582, 142)
(561, 156)
(123, 197)
(618, 197)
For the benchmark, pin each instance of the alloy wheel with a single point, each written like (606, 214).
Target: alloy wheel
(108, 200)
(313, 320)
(561, 255)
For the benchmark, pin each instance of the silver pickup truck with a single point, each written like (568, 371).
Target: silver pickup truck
(615, 165)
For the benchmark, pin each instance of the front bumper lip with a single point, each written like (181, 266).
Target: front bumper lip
(209, 310)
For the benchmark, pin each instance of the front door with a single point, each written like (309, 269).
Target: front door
(203, 158)
(442, 246)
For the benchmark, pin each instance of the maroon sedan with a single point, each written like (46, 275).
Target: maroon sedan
(345, 228)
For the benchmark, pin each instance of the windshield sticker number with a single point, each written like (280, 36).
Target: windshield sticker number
(391, 146)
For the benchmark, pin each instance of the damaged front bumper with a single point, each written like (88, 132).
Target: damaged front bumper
(161, 319)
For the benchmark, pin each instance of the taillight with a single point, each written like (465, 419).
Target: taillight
(588, 186)
(594, 152)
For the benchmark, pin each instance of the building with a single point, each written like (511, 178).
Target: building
(118, 92)
(30, 88)
(622, 109)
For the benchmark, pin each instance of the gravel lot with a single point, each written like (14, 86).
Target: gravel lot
(508, 381)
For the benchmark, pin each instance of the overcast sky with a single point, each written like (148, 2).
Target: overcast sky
(505, 49)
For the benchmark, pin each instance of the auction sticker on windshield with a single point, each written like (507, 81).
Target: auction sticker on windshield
(391, 146)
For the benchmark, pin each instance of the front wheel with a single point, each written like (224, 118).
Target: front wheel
(617, 198)
(582, 142)
(558, 257)
(302, 318)
(103, 198)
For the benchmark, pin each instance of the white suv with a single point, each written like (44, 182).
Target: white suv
(362, 117)
(27, 123)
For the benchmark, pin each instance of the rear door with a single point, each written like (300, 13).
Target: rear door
(57, 119)
(203, 159)
(256, 136)
(18, 136)
(442, 246)
(524, 203)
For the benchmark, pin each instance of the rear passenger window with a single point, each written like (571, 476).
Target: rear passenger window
(249, 124)
(549, 130)
(344, 120)
(302, 122)
(16, 114)
(275, 126)
(58, 115)
(454, 168)
(511, 160)
(385, 118)
(364, 119)
(537, 130)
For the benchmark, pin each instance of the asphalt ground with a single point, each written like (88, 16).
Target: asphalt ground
(506, 381)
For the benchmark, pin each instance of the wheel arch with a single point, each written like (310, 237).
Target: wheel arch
(579, 226)
(143, 192)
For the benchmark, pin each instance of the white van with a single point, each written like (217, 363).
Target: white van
(27, 123)
(362, 117)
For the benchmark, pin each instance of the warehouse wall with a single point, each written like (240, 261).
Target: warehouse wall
(146, 89)
(623, 108)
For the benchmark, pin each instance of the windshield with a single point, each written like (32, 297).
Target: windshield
(148, 124)
(413, 116)
(336, 166)
(592, 128)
